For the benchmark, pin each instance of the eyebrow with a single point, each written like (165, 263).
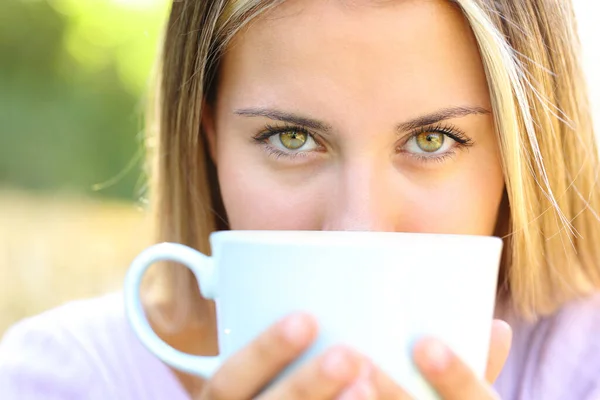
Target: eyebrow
(415, 123)
(285, 117)
(438, 116)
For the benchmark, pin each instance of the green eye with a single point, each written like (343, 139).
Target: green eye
(293, 140)
(430, 141)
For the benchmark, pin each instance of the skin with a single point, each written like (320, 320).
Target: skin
(361, 77)
(377, 69)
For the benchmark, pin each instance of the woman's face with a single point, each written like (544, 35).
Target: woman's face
(356, 115)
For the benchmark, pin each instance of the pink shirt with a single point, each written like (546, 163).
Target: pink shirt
(86, 350)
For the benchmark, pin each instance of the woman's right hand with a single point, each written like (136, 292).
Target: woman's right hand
(244, 375)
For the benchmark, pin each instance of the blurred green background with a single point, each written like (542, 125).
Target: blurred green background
(72, 78)
(73, 82)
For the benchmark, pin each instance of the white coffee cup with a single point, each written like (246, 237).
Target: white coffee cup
(377, 292)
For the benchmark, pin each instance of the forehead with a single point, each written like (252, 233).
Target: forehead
(404, 54)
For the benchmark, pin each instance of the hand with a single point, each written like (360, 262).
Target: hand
(449, 376)
(341, 373)
(246, 373)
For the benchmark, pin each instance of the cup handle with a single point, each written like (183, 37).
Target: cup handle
(202, 266)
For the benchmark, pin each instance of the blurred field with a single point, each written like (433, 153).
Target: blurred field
(57, 248)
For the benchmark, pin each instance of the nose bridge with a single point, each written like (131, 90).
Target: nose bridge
(361, 200)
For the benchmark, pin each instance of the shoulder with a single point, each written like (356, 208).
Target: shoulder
(83, 349)
(558, 357)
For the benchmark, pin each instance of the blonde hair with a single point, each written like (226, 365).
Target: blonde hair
(530, 52)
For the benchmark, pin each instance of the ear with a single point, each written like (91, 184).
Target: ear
(208, 129)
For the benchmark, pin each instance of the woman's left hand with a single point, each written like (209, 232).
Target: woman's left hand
(447, 374)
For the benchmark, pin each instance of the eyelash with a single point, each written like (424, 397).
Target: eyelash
(270, 130)
(461, 139)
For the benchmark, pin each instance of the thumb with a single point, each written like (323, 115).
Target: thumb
(500, 343)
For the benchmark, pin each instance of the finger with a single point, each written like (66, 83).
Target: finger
(322, 378)
(385, 387)
(500, 343)
(448, 375)
(248, 371)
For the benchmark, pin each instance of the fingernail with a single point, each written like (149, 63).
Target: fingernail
(438, 356)
(503, 328)
(337, 364)
(360, 390)
(296, 328)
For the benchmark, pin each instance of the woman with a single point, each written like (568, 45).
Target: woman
(466, 117)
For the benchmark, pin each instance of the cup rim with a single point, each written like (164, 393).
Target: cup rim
(331, 237)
